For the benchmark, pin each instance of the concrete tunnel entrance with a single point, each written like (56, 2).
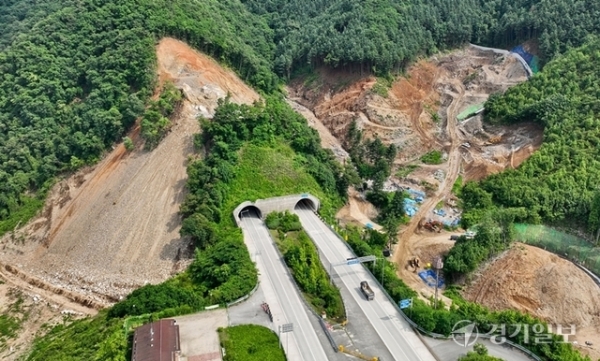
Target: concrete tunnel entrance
(306, 203)
(250, 211)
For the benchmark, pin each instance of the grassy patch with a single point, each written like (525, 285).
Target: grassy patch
(95, 338)
(457, 186)
(13, 317)
(433, 157)
(250, 343)
(434, 115)
(29, 207)
(406, 170)
(8, 327)
(382, 87)
(470, 78)
(265, 172)
(429, 188)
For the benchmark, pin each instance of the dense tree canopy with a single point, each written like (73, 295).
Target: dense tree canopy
(76, 74)
(382, 35)
(558, 182)
(79, 77)
(17, 17)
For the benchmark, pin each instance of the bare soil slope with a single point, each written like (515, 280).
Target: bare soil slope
(419, 114)
(358, 211)
(35, 312)
(532, 280)
(115, 227)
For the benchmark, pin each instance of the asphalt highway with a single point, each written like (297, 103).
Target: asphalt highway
(301, 344)
(393, 330)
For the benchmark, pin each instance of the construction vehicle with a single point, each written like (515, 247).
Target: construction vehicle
(434, 226)
(415, 263)
(495, 139)
(367, 291)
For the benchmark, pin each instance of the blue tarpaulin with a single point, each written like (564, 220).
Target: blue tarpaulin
(428, 277)
(410, 207)
(452, 223)
(439, 212)
(524, 54)
(416, 193)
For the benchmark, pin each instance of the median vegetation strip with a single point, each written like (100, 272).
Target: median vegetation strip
(266, 144)
(250, 343)
(301, 256)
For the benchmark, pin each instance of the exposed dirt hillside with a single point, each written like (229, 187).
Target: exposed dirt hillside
(115, 226)
(34, 311)
(420, 114)
(542, 284)
(413, 115)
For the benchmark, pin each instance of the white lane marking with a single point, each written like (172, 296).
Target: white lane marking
(253, 222)
(327, 244)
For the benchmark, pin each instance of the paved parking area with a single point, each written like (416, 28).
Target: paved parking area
(198, 335)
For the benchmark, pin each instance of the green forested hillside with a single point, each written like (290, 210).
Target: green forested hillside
(19, 16)
(559, 181)
(76, 74)
(78, 79)
(383, 34)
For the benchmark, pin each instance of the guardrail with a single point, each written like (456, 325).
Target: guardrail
(243, 298)
(411, 322)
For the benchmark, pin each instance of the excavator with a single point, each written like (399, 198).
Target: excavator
(434, 226)
(415, 263)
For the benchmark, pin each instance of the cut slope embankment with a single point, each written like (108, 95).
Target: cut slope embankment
(114, 227)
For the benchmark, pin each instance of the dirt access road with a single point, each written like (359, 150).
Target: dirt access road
(405, 248)
(418, 114)
(115, 227)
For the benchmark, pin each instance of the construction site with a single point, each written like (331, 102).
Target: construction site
(436, 106)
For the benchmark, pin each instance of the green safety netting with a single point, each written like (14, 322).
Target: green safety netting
(470, 111)
(572, 247)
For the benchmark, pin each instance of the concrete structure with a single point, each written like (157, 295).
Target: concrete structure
(283, 299)
(276, 204)
(156, 341)
(376, 326)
